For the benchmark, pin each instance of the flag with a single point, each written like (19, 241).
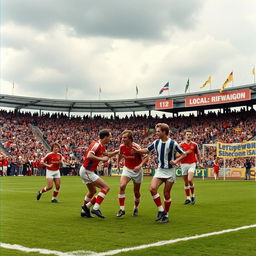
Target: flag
(187, 86)
(137, 90)
(228, 80)
(165, 88)
(253, 71)
(208, 81)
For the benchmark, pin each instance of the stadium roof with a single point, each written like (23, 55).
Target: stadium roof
(122, 105)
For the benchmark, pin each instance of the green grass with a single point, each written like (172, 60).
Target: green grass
(41, 224)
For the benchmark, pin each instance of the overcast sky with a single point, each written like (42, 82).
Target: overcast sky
(48, 46)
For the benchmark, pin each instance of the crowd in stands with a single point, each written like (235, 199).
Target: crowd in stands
(25, 149)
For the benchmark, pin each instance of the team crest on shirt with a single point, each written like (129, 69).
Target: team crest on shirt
(168, 150)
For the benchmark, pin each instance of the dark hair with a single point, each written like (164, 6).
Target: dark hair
(104, 133)
(163, 127)
(55, 144)
(129, 134)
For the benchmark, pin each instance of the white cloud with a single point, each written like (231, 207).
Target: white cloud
(195, 41)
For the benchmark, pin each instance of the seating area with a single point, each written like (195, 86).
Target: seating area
(74, 134)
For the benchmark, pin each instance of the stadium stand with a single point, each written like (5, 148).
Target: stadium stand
(74, 133)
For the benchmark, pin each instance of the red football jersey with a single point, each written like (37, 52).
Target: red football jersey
(54, 159)
(97, 149)
(130, 160)
(191, 157)
(5, 162)
(216, 168)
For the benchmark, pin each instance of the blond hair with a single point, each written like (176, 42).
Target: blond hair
(163, 127)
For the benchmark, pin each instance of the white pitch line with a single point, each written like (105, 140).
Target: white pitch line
(113, 252)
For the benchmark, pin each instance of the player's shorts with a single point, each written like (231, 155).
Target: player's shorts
(52, 174)
(169, 174)
(137, 177)
(186, 168)
(4, 169)
(87, 176)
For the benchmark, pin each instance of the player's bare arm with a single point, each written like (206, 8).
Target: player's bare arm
(138, 167)
(119, 158)
(140, 151)
(111, 154)
(91, 156)
(199, 159)
(174, 162)
(47, 165)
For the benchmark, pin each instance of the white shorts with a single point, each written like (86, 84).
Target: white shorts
(4, 169)
(186, 168)
(87, 176)
(169, 174)
(52, 174)
(137, 177)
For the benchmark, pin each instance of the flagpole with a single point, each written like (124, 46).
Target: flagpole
(13, 88)
(233, 79)
(66, 96)
(99, 92)
(253, 72)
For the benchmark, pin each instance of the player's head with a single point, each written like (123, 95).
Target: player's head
(188, 134)
(127, 137)
(105, 136)
(55, 147)
(162, 130)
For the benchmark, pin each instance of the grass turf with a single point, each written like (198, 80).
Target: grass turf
(40, 224)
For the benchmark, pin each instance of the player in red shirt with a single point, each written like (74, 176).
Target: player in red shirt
(188, 165)
(53, 161)
(5, 165)
(132, 170)
(216, 169)
(95, 153)
(1, 165)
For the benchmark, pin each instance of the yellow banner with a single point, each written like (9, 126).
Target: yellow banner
(234, 150)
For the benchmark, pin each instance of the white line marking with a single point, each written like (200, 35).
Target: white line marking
(113, 252)
(44, 251)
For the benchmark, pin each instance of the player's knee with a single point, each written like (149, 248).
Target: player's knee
(49, 187)
(153, 190)
(93, 192)
(167, 195)
(122, 187)
(137, 194)
(106, 189)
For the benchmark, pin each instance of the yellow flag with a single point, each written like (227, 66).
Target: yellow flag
(208, 81)
(253, 71)
(228, 80)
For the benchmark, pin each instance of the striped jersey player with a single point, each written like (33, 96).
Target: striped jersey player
(166, 150)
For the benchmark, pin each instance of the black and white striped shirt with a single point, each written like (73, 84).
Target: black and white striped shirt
(166, 151)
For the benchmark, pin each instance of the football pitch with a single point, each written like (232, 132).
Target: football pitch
(59, 229)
